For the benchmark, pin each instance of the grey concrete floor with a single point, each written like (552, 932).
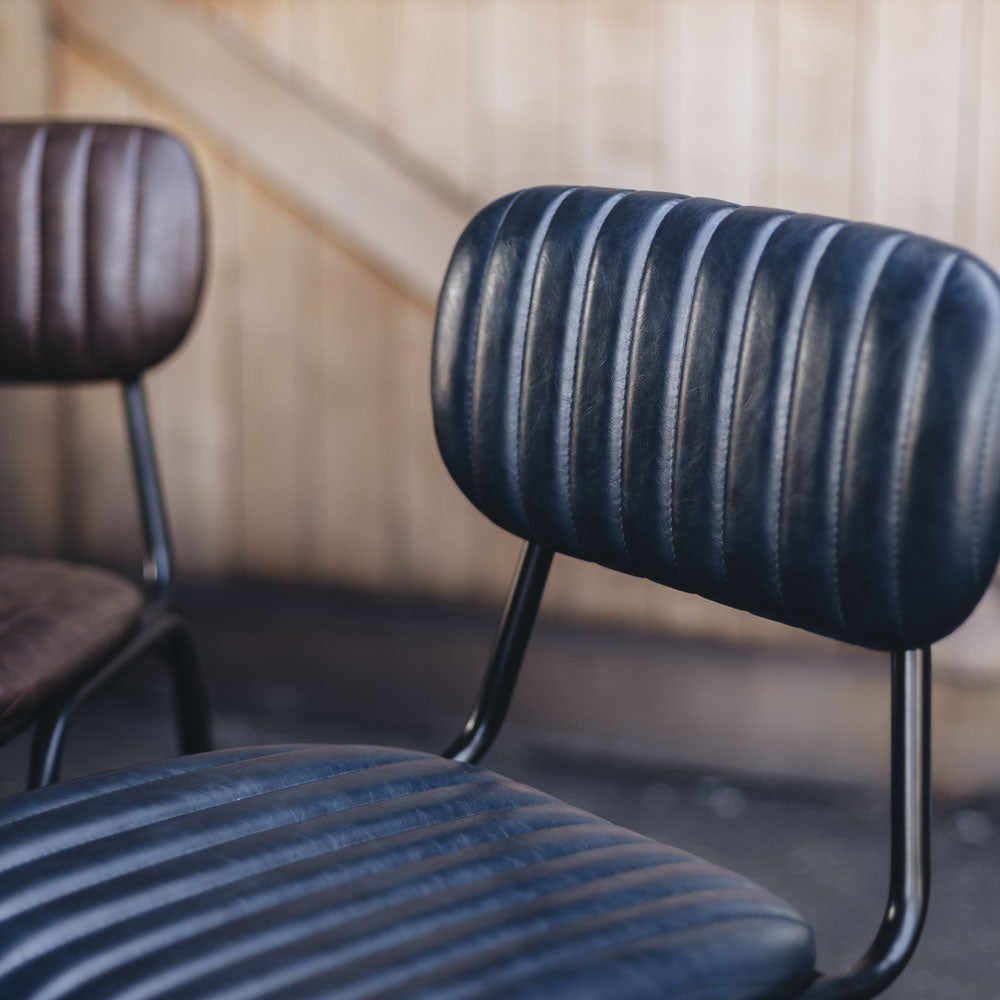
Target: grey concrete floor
(823, 848)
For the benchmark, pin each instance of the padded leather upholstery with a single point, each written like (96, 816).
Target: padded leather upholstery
(101, 249)
(788, 414)
(55, 620)
(302, 872)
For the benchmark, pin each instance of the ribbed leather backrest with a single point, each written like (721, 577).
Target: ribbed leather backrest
(101, 249)
(788, 414)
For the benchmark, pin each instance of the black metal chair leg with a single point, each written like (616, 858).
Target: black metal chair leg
(167, 637)
(191, 704)
(47, 744)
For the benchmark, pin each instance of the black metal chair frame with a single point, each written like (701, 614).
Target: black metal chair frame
(909, 866)
(158, 631)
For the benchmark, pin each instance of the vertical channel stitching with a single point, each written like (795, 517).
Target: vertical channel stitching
(902, 444)
(39, 336)
(86, 139)
(630, 308)
(136, 317)
(529, 280)
(678, 339)
(803, 286)
(863, 302)
(980, 478)
(474, 347)
(574, 322)
(739, 307)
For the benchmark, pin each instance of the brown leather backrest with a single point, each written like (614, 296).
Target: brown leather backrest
(102, 249)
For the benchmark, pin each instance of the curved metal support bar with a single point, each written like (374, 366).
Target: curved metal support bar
(157, 570)
(909, 877)
(164, 634)
(511, 640)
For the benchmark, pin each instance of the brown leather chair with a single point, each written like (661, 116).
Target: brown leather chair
(102, 250)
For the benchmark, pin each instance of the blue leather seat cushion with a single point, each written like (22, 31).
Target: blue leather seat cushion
(354, 871)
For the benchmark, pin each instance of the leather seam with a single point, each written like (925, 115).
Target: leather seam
(72, 803)
(200, 241)
(203, 809)
(88, 136)
(980, 480)
(550, 211)
(827, 234)
(605, 210)
(480, 927)
(40, 349)
(571, 925)
(653, 229)
(136, 324)
(731, 419)
(712, 922)
(891, 245)
(714, 221)
(268, 904)
(900, 452)
(474, 349)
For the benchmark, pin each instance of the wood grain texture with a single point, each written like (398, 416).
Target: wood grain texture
(815, 105)
(708, 105)
(287, 142)
(294, 429)
(914, 96)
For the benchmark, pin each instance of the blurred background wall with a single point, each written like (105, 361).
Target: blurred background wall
(344, 142)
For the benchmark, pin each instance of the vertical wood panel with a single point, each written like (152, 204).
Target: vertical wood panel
(970, 98)
(24, 67)
(424, 82)
(271, 283)
(350, 42)
(573, 94)
(524, 99)
(708, 103)
(269, 288)
(289, 29)
(987, 223)
(354, 543)
(268, 23)
(815, 109)
(915, 104)
(764, 103)
(438, 541)
(195, 398)
(429, 523)
(620, 92)
(863, 131)
(480, 84)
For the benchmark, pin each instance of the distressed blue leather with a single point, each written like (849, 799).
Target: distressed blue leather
(788, 414)
(301, 872)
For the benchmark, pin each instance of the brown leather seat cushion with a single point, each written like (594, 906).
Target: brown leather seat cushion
(56, 619)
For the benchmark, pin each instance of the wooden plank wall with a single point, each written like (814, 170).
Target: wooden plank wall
(294, 428)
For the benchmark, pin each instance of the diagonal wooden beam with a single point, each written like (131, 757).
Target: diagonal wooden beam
(393, 217)
(24, 66)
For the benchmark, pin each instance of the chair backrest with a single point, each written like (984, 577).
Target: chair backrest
(788, 414)
(101, 250)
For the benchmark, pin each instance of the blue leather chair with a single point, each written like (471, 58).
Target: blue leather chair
(785, 413)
